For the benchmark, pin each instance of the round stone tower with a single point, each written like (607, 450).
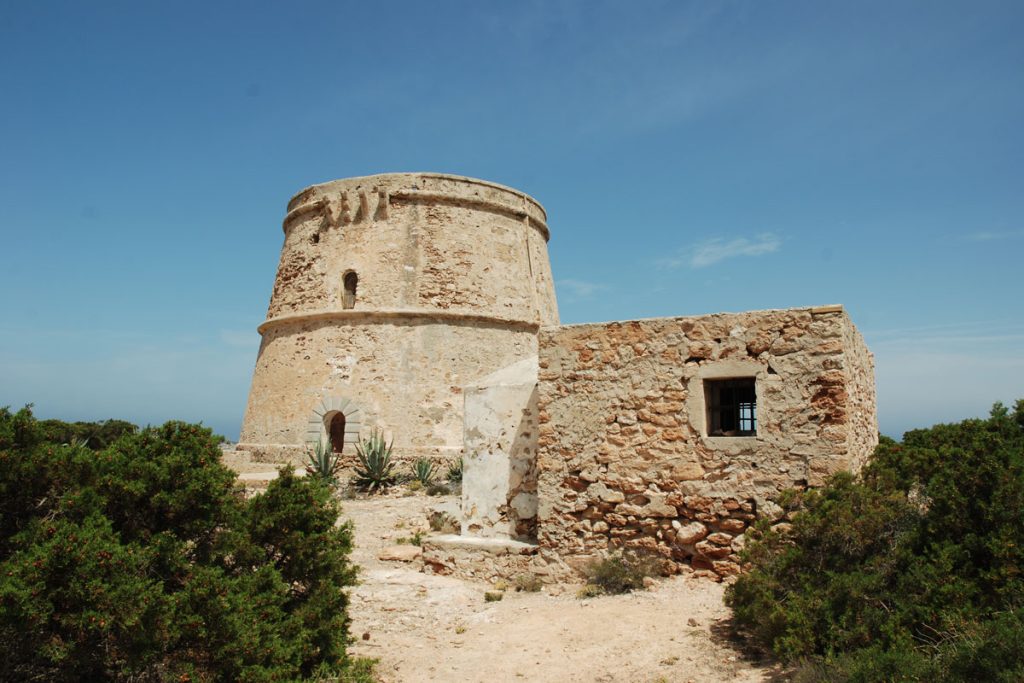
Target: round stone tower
(392, 293)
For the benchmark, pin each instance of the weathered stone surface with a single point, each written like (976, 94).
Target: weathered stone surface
(687, 471)
(400, 553)
(739, 543)
(445, 517)
(732, 526)
(725, 568)
(499, 465)
(711, 550)
(599, 491)
(627, 401)
(691, 533)
(453, 281)
(720, 539)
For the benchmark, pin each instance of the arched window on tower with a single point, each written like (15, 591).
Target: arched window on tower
(348, 294)
(336, 430)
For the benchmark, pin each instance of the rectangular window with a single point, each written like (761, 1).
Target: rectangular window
(732, 407)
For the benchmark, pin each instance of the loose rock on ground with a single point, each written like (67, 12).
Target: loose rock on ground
(424, 627)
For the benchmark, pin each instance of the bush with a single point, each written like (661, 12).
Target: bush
(620, 573)
(913, 571)
(94, 435)
(143, 561)
(528, 583)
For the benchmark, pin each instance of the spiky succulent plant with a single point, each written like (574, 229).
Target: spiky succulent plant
(376, 470)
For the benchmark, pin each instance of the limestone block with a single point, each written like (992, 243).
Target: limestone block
(712, 551)
(687, 471)
(400, 553)
(691, 533)
(719, 538)
(598, 491)
(732, 526)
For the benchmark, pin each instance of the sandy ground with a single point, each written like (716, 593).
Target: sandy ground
(436, 628)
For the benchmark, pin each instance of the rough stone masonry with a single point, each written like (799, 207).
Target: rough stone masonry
(423, 305)
(626, 456)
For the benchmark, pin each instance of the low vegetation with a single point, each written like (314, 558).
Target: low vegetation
(423, 471)
(416, 539)
(618, 573)
(376, 471)
(94, 435)
(324, 463)
(454, 474)
(913, 571)
(528, 583)
(142, 561)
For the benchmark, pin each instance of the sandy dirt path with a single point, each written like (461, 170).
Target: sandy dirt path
(436, 628)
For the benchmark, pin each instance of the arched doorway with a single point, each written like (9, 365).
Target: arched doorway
(334, 421)
(336, 431)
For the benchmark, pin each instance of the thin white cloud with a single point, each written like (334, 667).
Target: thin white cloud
(993, 235)
(948, 335)
(580, 289)
(710, 252)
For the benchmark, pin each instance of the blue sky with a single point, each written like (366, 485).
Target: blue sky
(692, 157)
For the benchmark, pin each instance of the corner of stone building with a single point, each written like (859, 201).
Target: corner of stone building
(859, 362)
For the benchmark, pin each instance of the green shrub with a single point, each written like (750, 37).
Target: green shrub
(143, 561)
(416, 539)
(621, 572)
(94, 435)
(377, 470)
(913, 571)
(423, 471)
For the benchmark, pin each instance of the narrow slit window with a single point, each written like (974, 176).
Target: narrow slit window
(336, 431)
(732, 407)
(348, 294)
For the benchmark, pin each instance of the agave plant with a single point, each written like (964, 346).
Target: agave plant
(377, 470)
(423, 471)
(455, 472)
(323, 463)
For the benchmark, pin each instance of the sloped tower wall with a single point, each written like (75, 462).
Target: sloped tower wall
(392, 293)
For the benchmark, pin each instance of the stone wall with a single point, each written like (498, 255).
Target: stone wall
(453, 282)
(624, 454)
(499, 479)
(405, 379)
(860, 371)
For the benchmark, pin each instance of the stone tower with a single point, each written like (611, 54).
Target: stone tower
(393, 292)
